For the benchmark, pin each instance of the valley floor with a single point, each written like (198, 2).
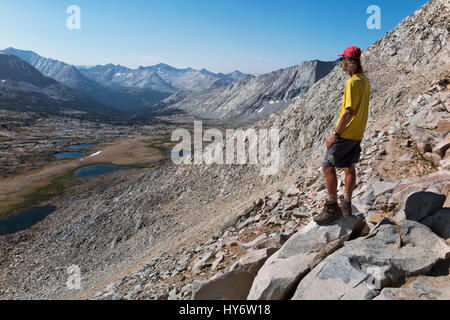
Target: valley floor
(31, 175)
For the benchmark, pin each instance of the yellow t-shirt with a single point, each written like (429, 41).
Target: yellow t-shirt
(356, 97)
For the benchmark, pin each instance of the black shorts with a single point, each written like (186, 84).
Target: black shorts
(343, 153)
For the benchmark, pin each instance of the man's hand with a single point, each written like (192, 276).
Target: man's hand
(331, 140)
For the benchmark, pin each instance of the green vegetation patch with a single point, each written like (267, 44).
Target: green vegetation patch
(57, 186)
(161, 144)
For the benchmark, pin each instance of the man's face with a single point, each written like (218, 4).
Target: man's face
(343, 64)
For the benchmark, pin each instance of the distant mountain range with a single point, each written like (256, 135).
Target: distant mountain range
(251, 98)
(24, 88)
(123, 88)
(124, 99)
(160, 89)
(161, 77)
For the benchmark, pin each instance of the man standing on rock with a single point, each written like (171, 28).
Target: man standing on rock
(344, 146)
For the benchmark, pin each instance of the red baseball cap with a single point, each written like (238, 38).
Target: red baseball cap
(352, 52)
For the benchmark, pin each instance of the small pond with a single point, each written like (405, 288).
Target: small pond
(70, 155)
(24, 219)
(97, 170)
(82, 146)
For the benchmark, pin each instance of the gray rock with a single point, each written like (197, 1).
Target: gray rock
(292, 205)
(236, 283)
(173, 292)
(434, 183)
(405, 157)
(445, 163)
(162, 295)
(381, 187)
(439, 179)
(272, 242)
(281, 272)
(198, 266)
(334, 279)
(359, 206)
(292, 191)
(273, 200)
(442, 147)
(181, 265)
(423, 204)
(251, 244)
(233, 285)
(289, 227)
(364, 266)
(253, 260)
(446, 192)
(402, 192)
(297, 213)
(424, 288)
(439, 223)
(220, 256)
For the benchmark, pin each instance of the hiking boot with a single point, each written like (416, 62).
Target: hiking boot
(346, 207)
(330, 212)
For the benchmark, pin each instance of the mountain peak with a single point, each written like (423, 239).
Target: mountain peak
(28, 56)
(163, 65)
(11, 49)
(14, 68)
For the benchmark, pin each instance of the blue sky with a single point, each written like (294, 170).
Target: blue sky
(253, 36)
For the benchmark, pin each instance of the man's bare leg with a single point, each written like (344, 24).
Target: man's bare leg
(350, 182)
(331, 181)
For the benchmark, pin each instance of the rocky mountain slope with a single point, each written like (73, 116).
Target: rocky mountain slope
(254, 98)
(24, 88)
(124, 99)
(161, 77)
(219, 231)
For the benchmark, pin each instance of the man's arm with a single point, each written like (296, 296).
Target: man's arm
(346, 118)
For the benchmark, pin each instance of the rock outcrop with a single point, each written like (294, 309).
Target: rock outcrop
(236, 283)
(425, 288)
(383, 258)
(282, 272)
